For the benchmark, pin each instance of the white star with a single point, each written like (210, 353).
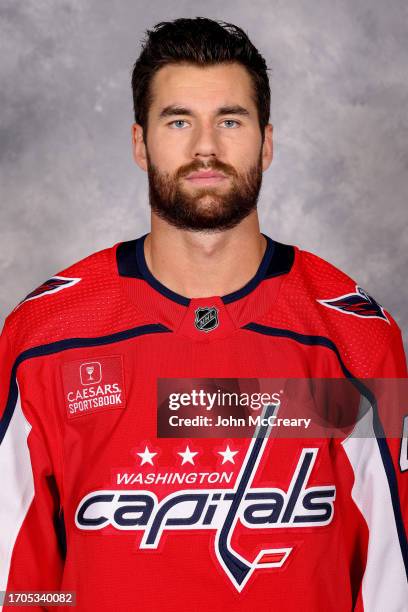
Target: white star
(187, 456)
(227, 455)
(146, 456)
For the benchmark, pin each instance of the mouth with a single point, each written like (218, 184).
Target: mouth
(210, 177)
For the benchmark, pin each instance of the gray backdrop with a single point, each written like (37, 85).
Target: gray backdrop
(338, 182)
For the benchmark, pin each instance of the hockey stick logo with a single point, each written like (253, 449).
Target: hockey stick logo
(239, 569)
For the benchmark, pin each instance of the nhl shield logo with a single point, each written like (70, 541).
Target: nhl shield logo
(206, 318)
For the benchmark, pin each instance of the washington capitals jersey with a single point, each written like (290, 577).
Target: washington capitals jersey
(93, 501)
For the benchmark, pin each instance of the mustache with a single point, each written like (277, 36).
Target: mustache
(196, 166)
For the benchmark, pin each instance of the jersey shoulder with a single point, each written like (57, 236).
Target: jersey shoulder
(78, 301)
(335, 290)
(319, 299)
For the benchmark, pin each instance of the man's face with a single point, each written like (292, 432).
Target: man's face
(203, 120)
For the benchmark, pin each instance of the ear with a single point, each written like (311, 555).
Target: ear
(267, 147)
(139, 146)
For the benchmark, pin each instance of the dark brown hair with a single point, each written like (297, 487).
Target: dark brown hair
(198, 41)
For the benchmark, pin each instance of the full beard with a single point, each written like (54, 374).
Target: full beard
(206, 209)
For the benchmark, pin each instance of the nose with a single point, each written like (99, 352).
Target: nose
(205, 143)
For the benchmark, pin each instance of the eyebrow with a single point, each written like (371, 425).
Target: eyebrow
(173, 109)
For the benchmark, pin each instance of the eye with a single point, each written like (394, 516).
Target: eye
(172, 124)
(231, 121)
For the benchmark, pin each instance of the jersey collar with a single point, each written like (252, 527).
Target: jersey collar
(130, 258)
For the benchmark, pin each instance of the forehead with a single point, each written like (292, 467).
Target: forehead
(206, 87)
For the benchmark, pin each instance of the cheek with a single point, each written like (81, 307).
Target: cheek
(164, 160)
(244, 149)
(166, 154)
(245, 158)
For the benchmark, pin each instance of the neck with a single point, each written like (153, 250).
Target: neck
(199, 264)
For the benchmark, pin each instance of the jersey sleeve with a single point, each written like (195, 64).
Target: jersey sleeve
(32, 545)
(380, 489)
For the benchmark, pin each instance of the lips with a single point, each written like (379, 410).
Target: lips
(205, 174)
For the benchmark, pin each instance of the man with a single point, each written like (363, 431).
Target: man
(93, 499)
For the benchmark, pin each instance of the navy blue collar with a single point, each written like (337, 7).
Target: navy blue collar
(277, 259)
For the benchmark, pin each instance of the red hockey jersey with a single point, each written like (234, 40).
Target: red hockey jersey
(93, 501)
